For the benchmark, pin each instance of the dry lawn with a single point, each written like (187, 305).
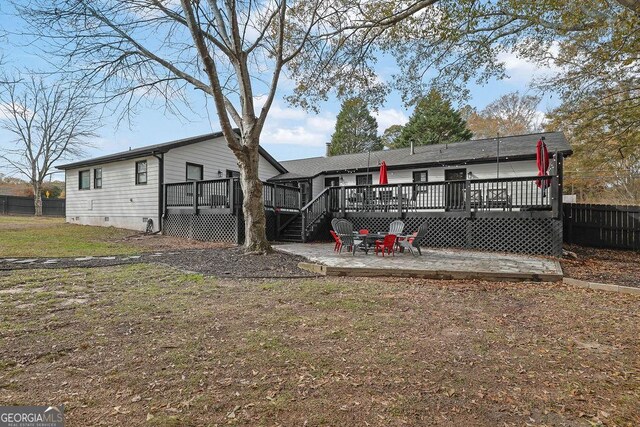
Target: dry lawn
(23, 236)
(145, 345)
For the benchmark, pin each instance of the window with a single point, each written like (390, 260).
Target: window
(194, 172)
(420, 176)
(141, 172)
(84, 180)
(233, 174)
(332, 182)
(97, 178)
(364, 179)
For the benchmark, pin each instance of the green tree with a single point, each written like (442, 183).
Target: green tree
(390, 135)
(356, 129)
(434, 121)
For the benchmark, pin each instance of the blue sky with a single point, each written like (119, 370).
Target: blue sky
(289, 133)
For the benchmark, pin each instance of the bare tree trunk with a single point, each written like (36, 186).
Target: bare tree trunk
(37, 199)
(252, 205)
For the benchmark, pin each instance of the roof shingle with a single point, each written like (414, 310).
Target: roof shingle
(519, 147)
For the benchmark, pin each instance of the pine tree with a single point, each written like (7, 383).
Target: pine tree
(356, 129)
(434, 121)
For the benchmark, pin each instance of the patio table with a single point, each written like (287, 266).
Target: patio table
(368, 240)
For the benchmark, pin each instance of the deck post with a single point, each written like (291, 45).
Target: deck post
(274, 189)
(164, 201)
(275, 196)
(400, 200)
(304, 226)
(560, 175)
(195, 197)
(343, 200)
(467, 196)
(230, 194)
(556, 196)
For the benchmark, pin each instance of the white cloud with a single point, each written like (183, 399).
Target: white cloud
(326, 124)
(7, 111)
(293, 126)
(298, 135)
(389, 117)
(523, 70)
(540, 119)
(277, 112)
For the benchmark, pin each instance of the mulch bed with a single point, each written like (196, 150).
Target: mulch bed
(234, 262)
(223, 261)
(614, 267)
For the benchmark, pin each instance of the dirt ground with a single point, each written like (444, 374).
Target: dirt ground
(147, 345)
(615, 267)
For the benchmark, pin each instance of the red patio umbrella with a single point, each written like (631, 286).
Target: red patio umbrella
(383, 173)
(542, 160)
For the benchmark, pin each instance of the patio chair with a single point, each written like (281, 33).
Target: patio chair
(386, 199)
(363, 231)
(370, 200)
(396, 227)
(413, 242)
(499, 198)
(475, 199)
(337, 240)
(387, 244)
(344, 230)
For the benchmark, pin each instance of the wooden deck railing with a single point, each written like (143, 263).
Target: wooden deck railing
(226, 193)
(503, 194)
(519, 194)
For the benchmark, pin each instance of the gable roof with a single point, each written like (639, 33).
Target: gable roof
(519, 147)
(161, 148)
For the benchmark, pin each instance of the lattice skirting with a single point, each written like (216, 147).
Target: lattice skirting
(541, 236)
(212, 227)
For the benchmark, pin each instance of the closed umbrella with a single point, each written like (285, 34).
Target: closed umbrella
(542, 160)
(383, 173)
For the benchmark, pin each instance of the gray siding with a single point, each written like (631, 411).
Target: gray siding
(479, 171)
(124, 203)
(214, 155)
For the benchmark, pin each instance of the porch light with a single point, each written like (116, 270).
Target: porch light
(470, 175)
(219, 173)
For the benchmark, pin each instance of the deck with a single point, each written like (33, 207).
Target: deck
(515, 214)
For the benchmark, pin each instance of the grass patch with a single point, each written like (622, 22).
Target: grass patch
(52, 237)
(151, 345)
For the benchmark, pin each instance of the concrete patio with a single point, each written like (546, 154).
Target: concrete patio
(433, 264)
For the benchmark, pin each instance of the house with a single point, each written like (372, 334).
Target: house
(481, 194)
(505, 157)
(125, 189)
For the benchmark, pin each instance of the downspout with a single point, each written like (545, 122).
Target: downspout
(160, 188)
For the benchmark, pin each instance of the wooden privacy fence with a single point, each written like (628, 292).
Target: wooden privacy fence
(16, 205)
(602, 226)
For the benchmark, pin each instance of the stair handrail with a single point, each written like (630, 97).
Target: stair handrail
(306, 209)
(308, 205)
